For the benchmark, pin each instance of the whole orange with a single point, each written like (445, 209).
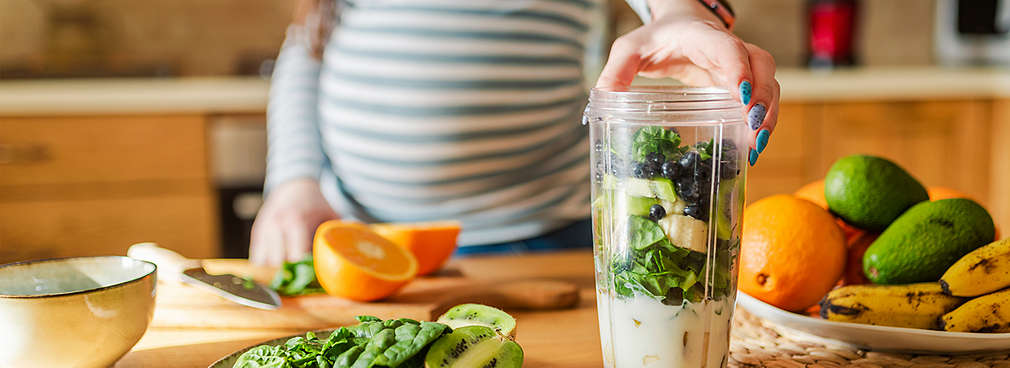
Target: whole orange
(813, 192)
(791, 253)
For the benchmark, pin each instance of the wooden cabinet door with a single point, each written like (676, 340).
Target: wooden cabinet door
(941, 143)
(785, 164)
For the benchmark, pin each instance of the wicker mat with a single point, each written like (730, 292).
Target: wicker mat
(756, 343)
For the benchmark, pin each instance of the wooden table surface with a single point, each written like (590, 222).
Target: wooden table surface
(566, 338)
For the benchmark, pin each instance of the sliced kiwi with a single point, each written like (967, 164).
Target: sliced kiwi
(479, 315)
(474, 346)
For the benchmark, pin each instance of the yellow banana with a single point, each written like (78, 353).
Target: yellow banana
(913, 306)
(987, 313)
(982, 271)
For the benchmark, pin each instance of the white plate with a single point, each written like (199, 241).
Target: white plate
(879, 338)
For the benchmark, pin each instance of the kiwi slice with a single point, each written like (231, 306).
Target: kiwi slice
(474, 346)
(479, 315)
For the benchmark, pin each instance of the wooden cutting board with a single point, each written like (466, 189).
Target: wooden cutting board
(180, 305)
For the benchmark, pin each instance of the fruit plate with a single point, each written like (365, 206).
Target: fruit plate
(229, 360)
(877, 338)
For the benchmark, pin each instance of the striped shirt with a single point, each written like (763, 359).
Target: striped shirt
(438, 109)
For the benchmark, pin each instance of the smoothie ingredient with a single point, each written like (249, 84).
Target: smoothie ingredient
(984, 270)
(791, 254)
(372, 342)
(296, 278)
(856, 246)
(686, 232)
(926, 240)
(479, 315)
(988, 313)
(662, 143)
(432, 243)
(354, 262)
(870, 192)
(474, 346)
(913, 306)
(814, 192)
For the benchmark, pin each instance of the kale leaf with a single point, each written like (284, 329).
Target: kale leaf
(296, 278)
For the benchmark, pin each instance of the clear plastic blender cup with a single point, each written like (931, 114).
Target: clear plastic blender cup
(669, 171)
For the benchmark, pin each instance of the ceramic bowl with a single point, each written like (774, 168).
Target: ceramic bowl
(73, 312)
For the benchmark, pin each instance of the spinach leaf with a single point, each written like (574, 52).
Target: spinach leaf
(643, 232)
(394, 343)
(263, 356)
(656, 139)
(296, 278)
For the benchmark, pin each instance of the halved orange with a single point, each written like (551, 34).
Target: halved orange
(354, 262)
(432, 243)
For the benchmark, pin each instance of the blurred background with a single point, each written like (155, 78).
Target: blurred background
(124, 121)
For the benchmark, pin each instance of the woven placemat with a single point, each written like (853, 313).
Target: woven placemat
(756, 343)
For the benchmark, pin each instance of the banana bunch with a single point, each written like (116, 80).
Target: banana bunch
(913, 306)
(980, 274)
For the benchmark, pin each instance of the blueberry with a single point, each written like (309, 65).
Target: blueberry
(698, 212)
(689, 160)
(638, 170)
(671, 170)
(728, 169)
(650, 170)
(688, 190)
(654, 158)
(656, 212)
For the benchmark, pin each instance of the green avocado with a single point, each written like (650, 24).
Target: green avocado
(926, 240)
(870, 192)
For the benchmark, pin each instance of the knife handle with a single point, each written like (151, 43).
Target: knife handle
(170, 264)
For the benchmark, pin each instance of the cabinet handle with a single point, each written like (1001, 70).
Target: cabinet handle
(11, 153)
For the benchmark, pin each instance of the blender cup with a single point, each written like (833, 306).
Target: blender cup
(669, 171)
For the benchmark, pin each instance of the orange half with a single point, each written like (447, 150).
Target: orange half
(432, 243)
(354, 262)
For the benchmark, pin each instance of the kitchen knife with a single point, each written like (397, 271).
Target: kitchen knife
(174, 267)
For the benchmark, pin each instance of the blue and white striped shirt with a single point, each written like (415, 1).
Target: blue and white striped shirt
(439, 109)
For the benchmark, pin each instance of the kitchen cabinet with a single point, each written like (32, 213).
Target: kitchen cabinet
(961, 144)
(93, 185)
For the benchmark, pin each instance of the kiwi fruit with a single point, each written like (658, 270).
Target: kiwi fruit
(479, 315)
(474, 346)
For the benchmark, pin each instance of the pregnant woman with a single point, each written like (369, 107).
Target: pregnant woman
(422, 110)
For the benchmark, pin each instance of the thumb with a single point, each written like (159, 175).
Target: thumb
(622, 66)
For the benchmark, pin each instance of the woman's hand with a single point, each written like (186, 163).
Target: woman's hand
(284, 227)
(685, 41)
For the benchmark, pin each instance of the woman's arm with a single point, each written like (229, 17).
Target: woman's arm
(685, 40)
(294, 205)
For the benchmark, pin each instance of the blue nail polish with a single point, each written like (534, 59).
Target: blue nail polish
(745, 90)
(753, 157)
(756, 116)
(762, 140)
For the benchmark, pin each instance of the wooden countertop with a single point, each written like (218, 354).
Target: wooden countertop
(566, 338)
(249, 94)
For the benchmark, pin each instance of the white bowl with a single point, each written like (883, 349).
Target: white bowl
(73, 312)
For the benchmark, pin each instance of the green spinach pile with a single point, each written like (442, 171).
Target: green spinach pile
(296, 278)
(371, 343)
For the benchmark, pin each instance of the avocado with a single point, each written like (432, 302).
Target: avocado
(726, 205)
(870, 192)
(926, 240)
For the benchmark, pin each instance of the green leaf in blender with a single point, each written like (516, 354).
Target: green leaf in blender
(656, 139)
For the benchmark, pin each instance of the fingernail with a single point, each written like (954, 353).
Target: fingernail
(756, 116)
(753, 157)
(762, 140)
(745, 90)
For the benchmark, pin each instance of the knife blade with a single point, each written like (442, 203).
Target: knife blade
(174, 267)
